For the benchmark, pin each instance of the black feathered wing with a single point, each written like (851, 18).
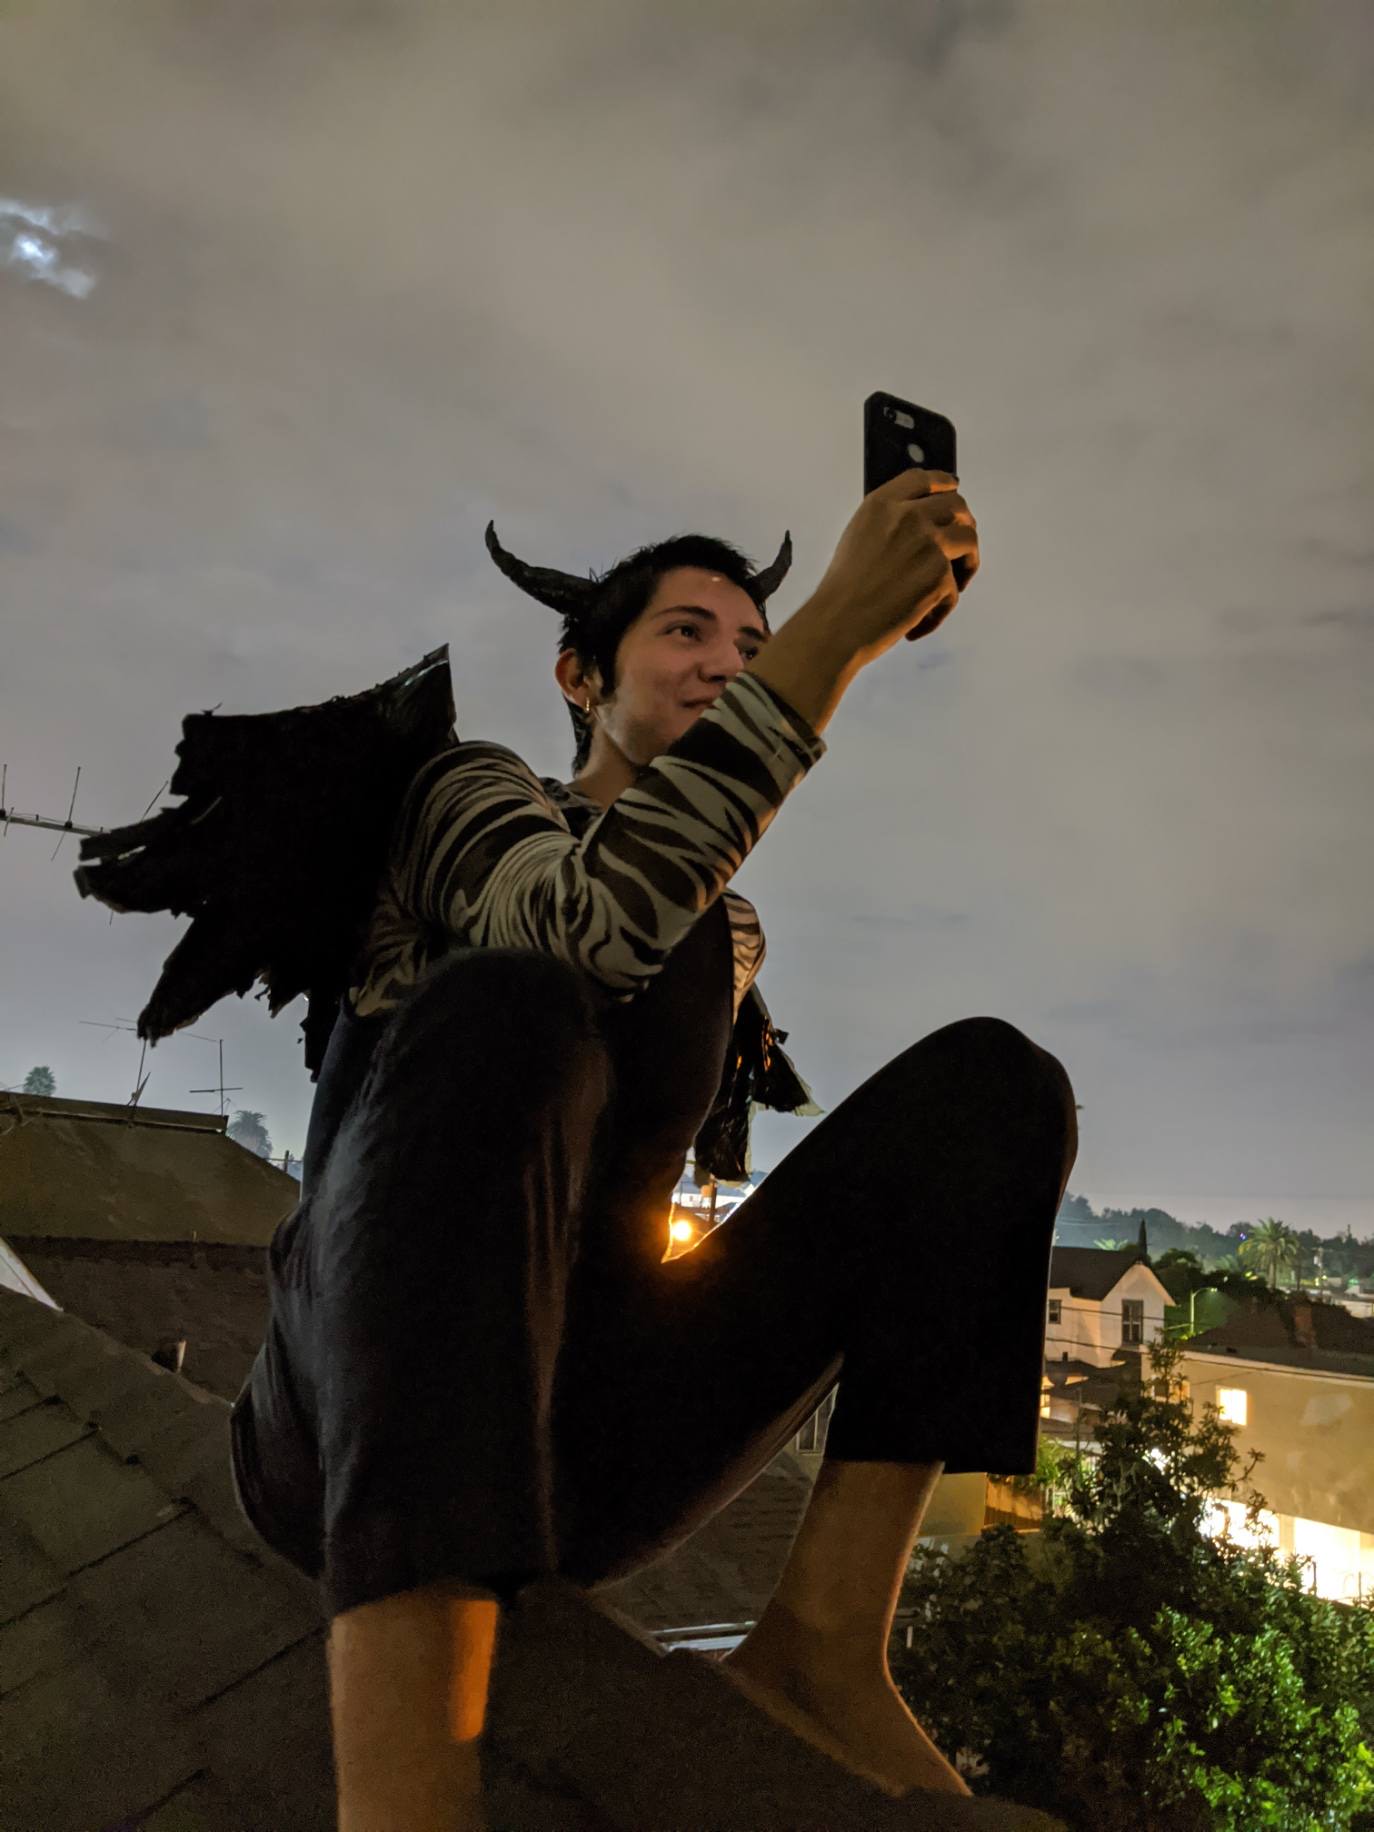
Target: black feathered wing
(278, 849)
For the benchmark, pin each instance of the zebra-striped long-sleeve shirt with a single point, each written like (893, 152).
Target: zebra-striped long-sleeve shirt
(487, 854)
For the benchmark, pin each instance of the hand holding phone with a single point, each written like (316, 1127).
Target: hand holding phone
(897, 435)
(892, 570)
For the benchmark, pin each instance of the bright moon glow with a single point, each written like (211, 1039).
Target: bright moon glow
(31, 243)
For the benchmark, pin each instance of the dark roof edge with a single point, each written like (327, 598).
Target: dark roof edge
(43, 1106)
(141, 1251)
(28, 1339)
(143, 1415)
(1292, 1358)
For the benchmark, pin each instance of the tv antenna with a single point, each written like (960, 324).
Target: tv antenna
(8, 817)
(124, 1026)
(221, 1090)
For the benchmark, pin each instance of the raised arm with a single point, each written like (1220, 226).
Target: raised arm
(483, 854)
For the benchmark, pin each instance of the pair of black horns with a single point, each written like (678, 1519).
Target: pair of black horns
(571, 595)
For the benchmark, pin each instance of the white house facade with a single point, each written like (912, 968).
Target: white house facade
(1100, 1303)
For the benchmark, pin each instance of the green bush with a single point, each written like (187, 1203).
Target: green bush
(1125, 1671)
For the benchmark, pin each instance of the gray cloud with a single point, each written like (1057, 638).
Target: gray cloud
(1358, 620)
(373, 274)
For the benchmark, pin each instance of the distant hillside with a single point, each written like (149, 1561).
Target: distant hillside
(1079, 1224)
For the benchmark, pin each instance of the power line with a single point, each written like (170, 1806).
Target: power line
(142, 1079)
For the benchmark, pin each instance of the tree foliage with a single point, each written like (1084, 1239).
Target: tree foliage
(250, 1130)
(1272, 1248)
(1080, 1223)
(1122, 1669)
(40, 1080)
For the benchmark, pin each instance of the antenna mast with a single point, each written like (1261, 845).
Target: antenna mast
(221, 1090)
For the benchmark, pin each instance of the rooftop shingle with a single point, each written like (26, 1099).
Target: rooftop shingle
(161, 1669)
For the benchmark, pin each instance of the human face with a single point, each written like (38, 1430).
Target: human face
(696, 634)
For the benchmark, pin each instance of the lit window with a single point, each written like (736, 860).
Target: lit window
(1056, 1310)
(1234, 1405)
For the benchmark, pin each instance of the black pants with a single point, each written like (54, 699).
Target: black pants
(479, 1366)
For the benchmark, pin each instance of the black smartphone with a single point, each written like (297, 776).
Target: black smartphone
(898, 436)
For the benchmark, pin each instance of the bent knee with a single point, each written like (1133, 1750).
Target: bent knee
(986, 1037)
(995, 1040)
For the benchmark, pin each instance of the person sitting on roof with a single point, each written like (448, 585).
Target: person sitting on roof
(481, 1366)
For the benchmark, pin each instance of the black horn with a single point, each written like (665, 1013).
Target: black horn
(763, 584)
(561, 591)
(573, 596)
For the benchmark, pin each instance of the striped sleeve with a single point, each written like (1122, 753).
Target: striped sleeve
(483, 854)
(747, 942)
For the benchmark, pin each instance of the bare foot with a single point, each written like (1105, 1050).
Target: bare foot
(862, 1723)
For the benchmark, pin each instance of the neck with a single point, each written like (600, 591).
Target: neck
(607, 773)
(604, 782)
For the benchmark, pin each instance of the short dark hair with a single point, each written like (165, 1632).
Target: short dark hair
(625, 592)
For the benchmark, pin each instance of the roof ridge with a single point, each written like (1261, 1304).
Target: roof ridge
(53, 1106)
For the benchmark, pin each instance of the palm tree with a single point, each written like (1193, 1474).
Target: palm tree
(249, 1130)
(1112, 1246)
(1272, 1248)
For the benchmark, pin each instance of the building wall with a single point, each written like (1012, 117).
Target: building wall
(1315, 1430)
(1089, 1330)
(1338, 1561)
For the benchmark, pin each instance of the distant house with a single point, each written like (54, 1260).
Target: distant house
(1297, 1380)
(148, 1222)
(1101, 1303)
(1104, 1309)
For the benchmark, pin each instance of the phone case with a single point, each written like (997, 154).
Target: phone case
(892, 427)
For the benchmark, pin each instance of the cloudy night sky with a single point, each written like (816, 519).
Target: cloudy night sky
(293, 305)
